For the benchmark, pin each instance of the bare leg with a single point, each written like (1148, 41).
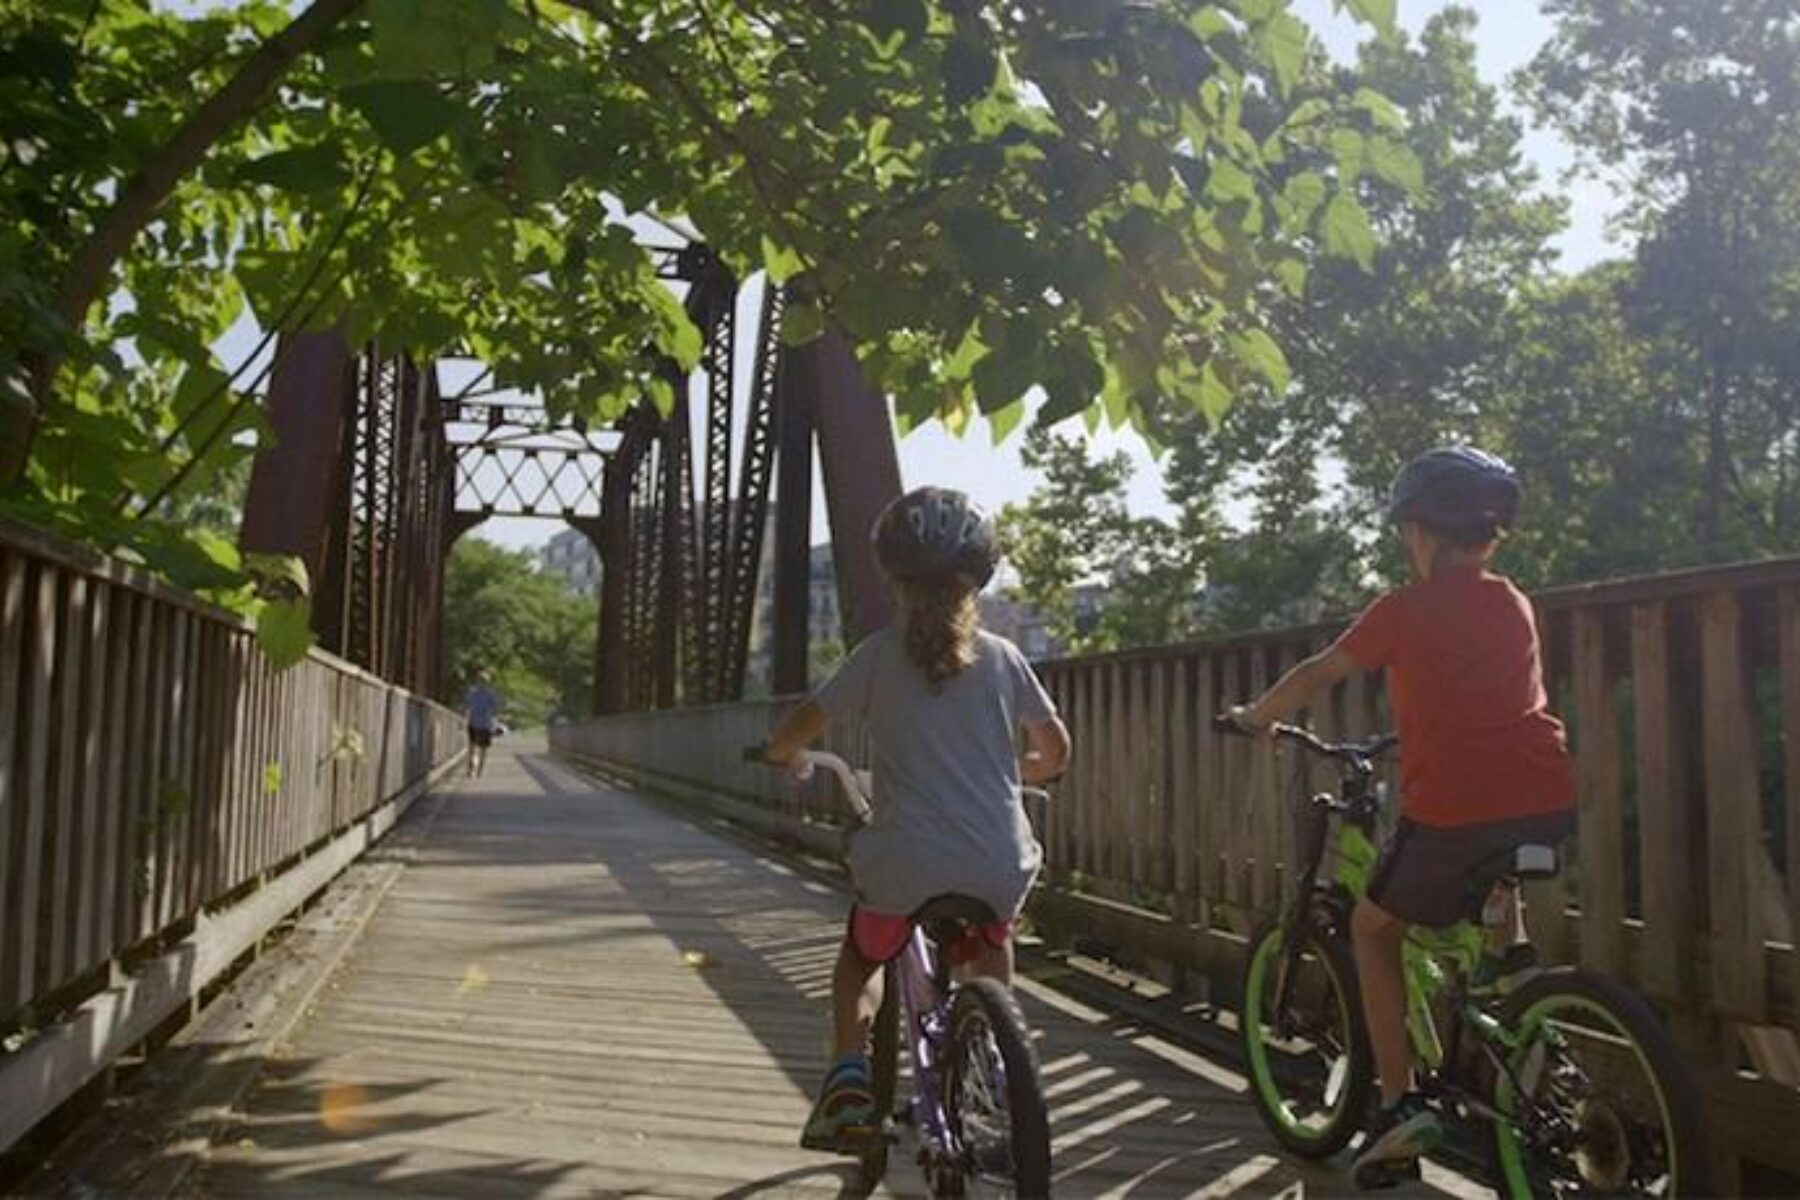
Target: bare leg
(1378, 935)
(1509, 930)
(856, 987)
(994, 962)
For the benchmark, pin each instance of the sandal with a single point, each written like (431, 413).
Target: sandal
(845, 1108)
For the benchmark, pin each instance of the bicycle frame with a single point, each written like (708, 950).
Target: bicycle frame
(921, 978)
(1430, 958)
(925, 998)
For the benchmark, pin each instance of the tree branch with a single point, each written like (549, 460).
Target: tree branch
(138, 200)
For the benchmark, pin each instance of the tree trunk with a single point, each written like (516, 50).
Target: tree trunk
(137, 202)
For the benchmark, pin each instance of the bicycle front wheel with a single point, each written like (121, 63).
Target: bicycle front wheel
(994, 1097)
(1308, 1053)
(1599, 1099)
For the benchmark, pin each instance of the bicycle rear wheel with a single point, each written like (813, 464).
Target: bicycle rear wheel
(993, 1095)
(1600, 1099)
(1301, 1020)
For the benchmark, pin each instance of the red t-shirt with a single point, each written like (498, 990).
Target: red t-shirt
(1477, 740)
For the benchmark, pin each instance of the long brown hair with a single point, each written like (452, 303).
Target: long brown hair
(939, 621)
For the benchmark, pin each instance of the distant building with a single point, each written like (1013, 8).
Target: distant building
(571, 557)
(824, 618)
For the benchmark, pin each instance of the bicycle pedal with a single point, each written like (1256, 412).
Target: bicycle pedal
(1379, 1176)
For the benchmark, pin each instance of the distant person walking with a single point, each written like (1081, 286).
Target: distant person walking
(483, 706)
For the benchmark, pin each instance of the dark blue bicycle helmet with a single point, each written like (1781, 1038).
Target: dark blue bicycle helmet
(1463, 493)
(936, 533)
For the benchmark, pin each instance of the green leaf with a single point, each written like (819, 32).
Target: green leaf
(1348, 148)
(1383, 113)
(1283, 42)
(304, 171)
(405, 113)
(1214, 396)
(1395, 163)
(284, 630)
(801, 323)
(271, 778)
(1379, 13)
(1291, 274)
(1258, 351)
(1002, 421)
(1345, 227)
(779, 261)
(281, 570)
(1304, 192)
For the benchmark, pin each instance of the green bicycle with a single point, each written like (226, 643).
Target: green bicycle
(1583, 1088)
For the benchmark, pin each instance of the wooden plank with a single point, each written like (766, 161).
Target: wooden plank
(1183, 746)
(12, 738)
(152, 861)
(1788, 607)
(1208, 773)
(1733, 828)
(1137, 773)
(86, 862)
(1601, 814)
(1250, 806)
(134, 809)
(61, 832)
(1118, 777)
(19, 976)
(109, 850)
(1663, 843)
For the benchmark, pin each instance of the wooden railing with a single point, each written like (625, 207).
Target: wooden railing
(1166, 840)
(155, 767)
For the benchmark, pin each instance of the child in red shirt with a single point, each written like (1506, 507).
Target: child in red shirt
(1483, 764)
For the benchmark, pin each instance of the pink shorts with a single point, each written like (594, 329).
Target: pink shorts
(877, 937)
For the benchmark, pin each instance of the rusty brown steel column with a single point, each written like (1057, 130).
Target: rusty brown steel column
(611, 676)
(862, 476)
(793, 529)
(297, 484)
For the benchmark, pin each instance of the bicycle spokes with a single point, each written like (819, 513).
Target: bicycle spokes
(984, 1123)
(1592, 1117)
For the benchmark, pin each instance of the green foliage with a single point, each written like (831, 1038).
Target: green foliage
(1074, 531)
(1100, 197)
(527, 631)
(1693, 110)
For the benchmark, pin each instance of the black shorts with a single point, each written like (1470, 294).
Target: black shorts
(482, 738)
(1435, 876)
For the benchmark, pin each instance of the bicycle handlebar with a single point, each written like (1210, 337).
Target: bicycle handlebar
(1360, 754)
(805, 762)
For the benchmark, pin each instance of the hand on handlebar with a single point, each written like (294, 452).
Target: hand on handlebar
(1237, 719)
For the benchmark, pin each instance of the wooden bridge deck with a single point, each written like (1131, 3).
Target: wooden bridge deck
(569, 990)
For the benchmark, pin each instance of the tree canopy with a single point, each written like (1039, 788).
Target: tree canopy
(1649, 403)
(531, 635)
(1102, 199)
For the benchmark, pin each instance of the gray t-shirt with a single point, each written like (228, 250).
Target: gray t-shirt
(947, 812)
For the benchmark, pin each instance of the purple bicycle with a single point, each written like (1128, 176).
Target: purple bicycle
(977, 1102)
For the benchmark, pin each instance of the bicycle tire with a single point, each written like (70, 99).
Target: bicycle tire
(1275, 1083)
(884, 1076)
(984, 1006)
(1652, 1046)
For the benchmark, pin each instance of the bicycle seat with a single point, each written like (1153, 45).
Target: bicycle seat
(1534, 860)
(964, 910)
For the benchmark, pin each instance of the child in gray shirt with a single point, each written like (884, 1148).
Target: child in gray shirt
(943, 703)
